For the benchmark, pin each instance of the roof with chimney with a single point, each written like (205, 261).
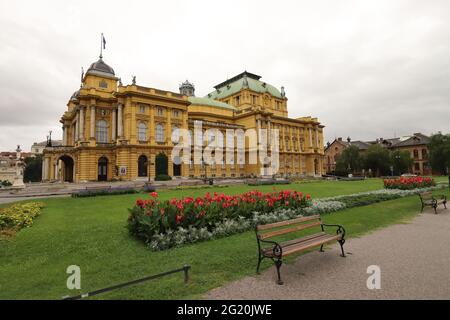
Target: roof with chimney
(241, 81)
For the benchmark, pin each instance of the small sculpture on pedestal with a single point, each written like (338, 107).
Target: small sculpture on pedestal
(18, 180)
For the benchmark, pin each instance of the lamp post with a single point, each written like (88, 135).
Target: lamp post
(397, 158)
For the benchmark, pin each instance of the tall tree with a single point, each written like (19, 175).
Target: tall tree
(377, 160)
(439, 149)
(33, 169)
(401, 162)
(349, 161)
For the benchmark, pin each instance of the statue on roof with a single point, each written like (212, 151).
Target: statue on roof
(245, 81)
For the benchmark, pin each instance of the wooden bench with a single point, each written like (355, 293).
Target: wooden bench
(429, 200)
(278, 250)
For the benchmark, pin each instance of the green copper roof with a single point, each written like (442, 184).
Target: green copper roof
(229, 88)
(210, 103)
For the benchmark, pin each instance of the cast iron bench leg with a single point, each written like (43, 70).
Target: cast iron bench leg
(341, 242)
(259, 263)
(278, 263)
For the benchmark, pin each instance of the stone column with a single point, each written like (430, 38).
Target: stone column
(120, 121)
(317, 138)
(310, 138)
(169, 127)
(56, 171)
(81, 131)
(46, 164)
(113, 126)
(77, 127)
(64, 129)
(92, 123)
(43, 170)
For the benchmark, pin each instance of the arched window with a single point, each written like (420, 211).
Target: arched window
(175, 134)
(159, 133)
(142, 131)
(102, 131)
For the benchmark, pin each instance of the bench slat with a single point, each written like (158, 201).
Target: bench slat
(297, 241)
(308, 244)
(287, 222)
(288, 230)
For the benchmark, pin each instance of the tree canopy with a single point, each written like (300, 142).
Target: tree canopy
(439, 150)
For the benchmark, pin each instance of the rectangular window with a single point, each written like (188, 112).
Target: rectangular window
(176, 113)
(159, 133)
(141, 109)
(160, 112)
(238, 100)
(424, 153)
(142, 132)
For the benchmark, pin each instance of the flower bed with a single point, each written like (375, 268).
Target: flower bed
(409, 183)
(180, 235)
(20, 215)
(151, 217)
(104, 192)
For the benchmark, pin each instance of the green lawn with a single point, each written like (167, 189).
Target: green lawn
(91, 233)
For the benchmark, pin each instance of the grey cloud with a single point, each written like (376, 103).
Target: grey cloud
(367, 69)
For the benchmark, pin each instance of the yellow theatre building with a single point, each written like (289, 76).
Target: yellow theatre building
(115, 132)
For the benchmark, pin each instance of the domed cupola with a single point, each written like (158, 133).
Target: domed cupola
(75, 95)
(100, 68)
(187, 89)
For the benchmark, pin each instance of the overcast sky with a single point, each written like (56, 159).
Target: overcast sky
(367, 69)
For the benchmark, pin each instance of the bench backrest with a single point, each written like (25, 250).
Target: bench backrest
(426, 195)
(292, 225)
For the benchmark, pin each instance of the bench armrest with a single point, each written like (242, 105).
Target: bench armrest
(340, 229)
(276, 249)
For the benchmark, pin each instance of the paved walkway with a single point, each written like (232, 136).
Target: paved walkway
(56, 189)
(414, 259)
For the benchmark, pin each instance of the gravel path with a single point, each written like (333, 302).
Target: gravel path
(414, 259)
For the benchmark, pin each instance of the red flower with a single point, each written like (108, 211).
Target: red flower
(178, 219)
(154, 194)
(140, 203)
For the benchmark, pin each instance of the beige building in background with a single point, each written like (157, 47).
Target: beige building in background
(416, 145)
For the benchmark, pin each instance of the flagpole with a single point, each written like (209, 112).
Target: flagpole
(101, 46)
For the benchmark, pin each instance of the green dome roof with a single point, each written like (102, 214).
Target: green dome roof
(210, 103)
(237, 83)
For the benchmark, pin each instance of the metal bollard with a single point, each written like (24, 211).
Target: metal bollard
(186, 273)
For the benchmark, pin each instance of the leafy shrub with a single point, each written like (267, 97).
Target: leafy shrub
(148, 188)
(409, 183)
(268, 182)
(5, 183)
(366, 198)
(163, 177)
(104, 192)
(20, 215)
(151, 217)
